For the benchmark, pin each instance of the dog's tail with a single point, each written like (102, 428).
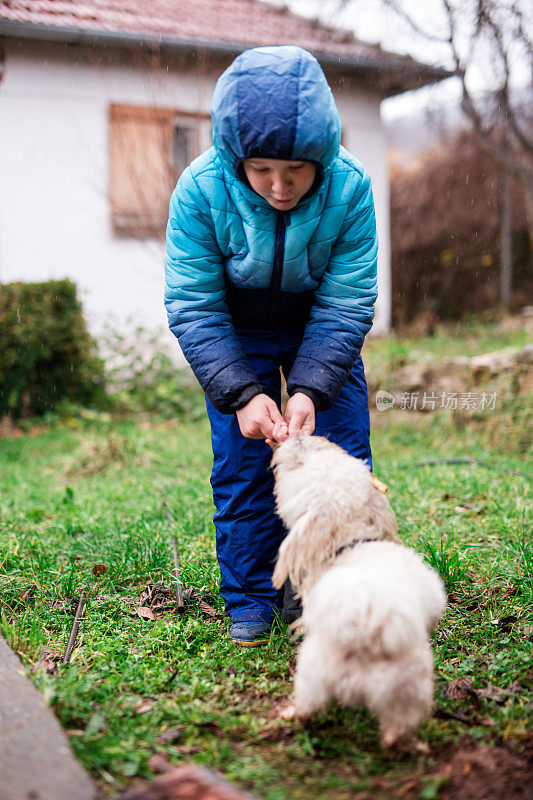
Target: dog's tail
(359, 619)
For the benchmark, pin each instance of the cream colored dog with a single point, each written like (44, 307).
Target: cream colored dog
(369, 603)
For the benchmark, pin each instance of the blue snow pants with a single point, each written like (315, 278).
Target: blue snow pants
(248, 531)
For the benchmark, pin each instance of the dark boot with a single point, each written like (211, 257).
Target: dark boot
(250, 634)
(292, 606)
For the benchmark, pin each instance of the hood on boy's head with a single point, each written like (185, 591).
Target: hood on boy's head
(275, 102)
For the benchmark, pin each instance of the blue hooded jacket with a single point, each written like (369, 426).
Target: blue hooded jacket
(234, 261)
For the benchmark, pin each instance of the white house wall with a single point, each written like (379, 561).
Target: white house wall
(363, 135)
(55, 217)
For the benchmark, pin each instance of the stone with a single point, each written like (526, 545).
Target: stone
(493, 363)
(190, 782)
(525, 356)
(36, 761)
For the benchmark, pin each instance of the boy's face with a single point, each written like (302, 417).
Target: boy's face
(281, 183)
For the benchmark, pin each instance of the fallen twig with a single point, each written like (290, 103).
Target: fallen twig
(443, 713)
(74, 630)
(175, 557)
(432, 462)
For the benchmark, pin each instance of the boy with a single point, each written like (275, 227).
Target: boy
(271, 262)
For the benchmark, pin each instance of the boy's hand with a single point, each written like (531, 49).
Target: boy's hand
(279, 434)
(258, 418)
(300, 414)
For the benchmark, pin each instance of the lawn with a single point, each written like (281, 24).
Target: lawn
(95, 492)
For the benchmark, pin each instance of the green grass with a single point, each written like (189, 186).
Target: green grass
(93, 493)
(469, 337)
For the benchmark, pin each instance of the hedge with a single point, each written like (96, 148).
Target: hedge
(46, 352)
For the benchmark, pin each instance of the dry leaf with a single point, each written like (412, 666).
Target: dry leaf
(61, 604)
(460, 689)
(29, 590)
(169, 736)
(99, 569)
(509, 619)
(144, 706)
(48, 661)
(206, 608)
(211, 726)
(145, 613)
(275, 731)
(157, 596)
(160, 763)
(472, 605)
(190, 593)
(474, 509)
(187, 751)
(161, 599)
(509, 591)
(412, 783)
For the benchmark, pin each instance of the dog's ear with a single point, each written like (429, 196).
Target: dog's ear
(309, 545)
(390, 527)
(281, 571)
(381, 517)
(291, 557)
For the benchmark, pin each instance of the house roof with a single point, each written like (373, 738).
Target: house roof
(224, 26)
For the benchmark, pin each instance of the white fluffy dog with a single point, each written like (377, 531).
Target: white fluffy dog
(369, 603)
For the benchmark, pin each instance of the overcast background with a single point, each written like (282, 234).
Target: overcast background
(373, 22)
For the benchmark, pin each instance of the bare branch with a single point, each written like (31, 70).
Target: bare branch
(502, 25)
(487, 21)
(402, 13)
(521, 30)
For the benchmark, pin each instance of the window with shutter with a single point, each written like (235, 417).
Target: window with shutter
(149, 148)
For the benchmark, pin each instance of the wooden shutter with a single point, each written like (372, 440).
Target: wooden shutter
(149, 148)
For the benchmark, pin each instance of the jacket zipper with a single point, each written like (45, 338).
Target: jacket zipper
(283, 220)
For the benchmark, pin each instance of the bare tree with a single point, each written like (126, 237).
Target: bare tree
(492, 38)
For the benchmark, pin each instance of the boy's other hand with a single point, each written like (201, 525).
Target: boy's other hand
(258, 418)
(279, 434)
(300, 414)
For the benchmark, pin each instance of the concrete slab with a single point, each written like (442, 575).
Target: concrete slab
(190, 782)
(36, 762)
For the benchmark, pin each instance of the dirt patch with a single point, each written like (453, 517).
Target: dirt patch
(467, 771)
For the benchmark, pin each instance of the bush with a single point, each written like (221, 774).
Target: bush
(46, 353)
(142, 377)
(445, 233)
